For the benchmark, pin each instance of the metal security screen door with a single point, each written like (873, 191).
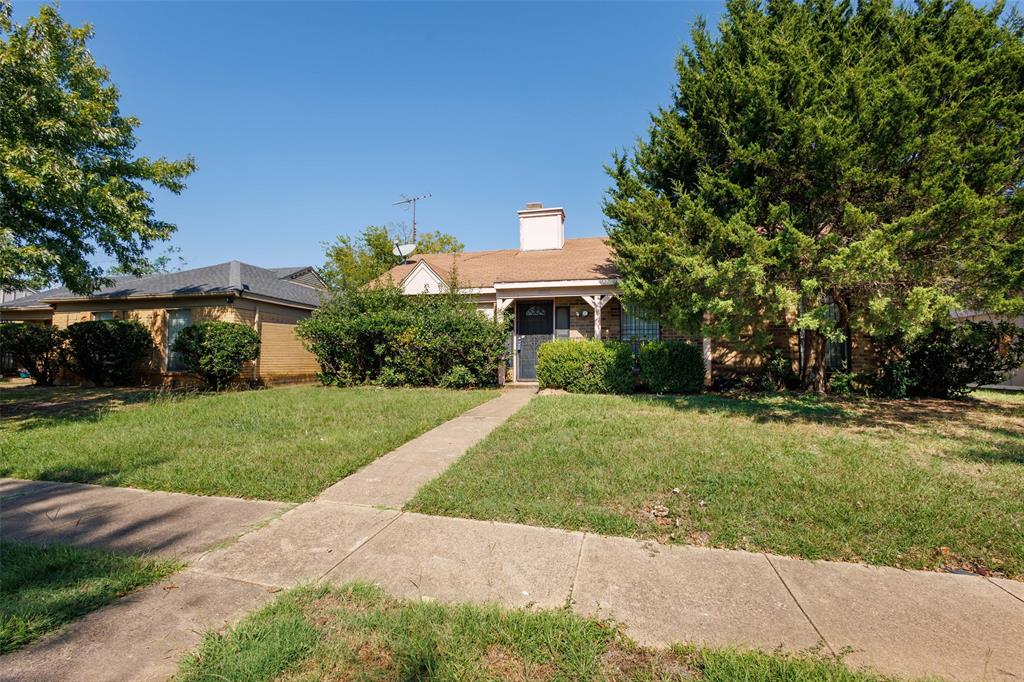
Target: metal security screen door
(534, 325)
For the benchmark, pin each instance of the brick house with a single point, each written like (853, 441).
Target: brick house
(271, 300)
(555, 287)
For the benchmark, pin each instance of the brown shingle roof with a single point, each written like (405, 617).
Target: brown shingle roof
(587, 258)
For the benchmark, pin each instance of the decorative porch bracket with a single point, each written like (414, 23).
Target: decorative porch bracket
(597, 302)
(501, 305)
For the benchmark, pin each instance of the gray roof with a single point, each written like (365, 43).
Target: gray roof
(232, 277)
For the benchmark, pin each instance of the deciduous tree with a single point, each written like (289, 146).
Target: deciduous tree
(353, 262)
(70, 181)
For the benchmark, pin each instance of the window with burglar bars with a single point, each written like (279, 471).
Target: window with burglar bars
(636, 330)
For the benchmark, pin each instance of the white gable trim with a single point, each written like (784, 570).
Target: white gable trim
(423, 280)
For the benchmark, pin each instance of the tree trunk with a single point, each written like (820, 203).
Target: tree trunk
(814, 366)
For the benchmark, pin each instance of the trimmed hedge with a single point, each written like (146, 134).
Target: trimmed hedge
(672, 367)
(217, 350)
(108, 352)
(38, 348)
(586, 366)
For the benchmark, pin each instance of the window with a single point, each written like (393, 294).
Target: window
(836, 352)
(562, 322)
(103, 316)
(176, 321)
(636, 329)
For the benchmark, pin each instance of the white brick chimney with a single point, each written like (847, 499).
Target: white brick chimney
(541, 228)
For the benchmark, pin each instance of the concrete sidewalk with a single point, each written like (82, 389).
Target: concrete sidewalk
(125, 519)
(392, 480)
(912, 623)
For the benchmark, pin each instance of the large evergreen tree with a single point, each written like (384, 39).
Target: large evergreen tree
(860, 154)
(70, 183)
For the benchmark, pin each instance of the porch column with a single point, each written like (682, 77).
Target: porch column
(597, 302)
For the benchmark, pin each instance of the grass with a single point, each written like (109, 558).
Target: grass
(916, 484)
(276, 444)
(356, 632)
(42, 588)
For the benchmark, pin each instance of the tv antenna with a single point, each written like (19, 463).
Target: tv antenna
(412, 200)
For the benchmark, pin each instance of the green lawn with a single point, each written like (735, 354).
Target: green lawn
(275, 444)
(920, 484)
(356, 632)
(41, 588)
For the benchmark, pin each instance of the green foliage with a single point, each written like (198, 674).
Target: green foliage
(946, 362)
(70, 182)
(775, 373)
(866, 154)
(457, 377)
(590, 366)
(170, 260)
(383, 336)
(108, 352)
(672, 367)
(38, 348)
(217, 350)
(41, 588)
(353, 262)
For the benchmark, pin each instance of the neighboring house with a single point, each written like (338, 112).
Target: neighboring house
(555, 287)
(272, 300)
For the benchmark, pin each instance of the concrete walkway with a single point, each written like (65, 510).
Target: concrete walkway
(392, 480)
(912, 623)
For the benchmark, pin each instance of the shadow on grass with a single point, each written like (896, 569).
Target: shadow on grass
(1002, 443)
(32, 407)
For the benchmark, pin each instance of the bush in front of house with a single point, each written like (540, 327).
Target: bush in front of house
(217, 350)
(672, 367)
(37, 348)
(951, 359)
(108, 352)
(586, 366)
(381, 336)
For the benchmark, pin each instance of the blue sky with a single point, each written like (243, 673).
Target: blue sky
(308, 120)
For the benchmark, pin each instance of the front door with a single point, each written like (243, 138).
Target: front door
(535, 324)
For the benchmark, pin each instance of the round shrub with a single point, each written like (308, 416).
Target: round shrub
(672, 367)
(951, 360)
(37, 348)
(216, 351)
(586, 366)
(381, 336)
(108, 352)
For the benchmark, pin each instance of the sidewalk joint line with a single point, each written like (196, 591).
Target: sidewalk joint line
(1005, 590)
(361, 545)
(799, 605)
(576, 574)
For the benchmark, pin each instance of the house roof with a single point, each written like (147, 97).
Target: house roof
(578, 259)
(232, 277)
